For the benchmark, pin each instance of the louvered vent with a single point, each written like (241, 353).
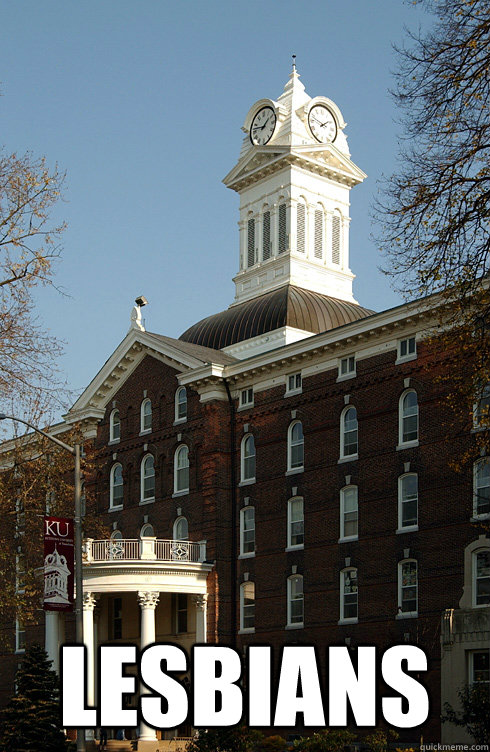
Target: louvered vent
(336, 239)
(266, 236)
(318, 234)
(282, 229)
(301, 229)
(251, 243)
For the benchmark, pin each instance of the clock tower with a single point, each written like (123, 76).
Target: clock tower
(293, 176)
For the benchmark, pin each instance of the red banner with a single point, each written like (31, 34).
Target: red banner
(59, 564)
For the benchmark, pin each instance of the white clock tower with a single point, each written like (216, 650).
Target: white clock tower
(294, 175)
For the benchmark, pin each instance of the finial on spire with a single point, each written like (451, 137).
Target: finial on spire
(294, 62)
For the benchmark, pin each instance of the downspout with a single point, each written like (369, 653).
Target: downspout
(233, 501)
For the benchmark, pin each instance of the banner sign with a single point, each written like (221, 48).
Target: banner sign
(59, 564)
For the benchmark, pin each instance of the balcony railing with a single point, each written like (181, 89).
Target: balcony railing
(143, 549)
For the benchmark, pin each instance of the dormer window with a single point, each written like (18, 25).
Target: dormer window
(114, 426)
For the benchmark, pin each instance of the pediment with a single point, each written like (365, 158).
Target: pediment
(253, 162)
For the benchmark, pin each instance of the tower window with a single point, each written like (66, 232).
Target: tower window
(318, 234)
(336, 239)
(283, 237)
(266, 236)
(301, 228)
(251, 243)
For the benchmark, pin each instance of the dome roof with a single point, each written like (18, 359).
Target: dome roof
(287, 306)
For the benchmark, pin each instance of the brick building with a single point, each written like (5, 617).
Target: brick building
(281, 473)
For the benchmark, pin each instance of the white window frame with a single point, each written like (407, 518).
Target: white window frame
(243, 587)
(243, 529)
(407, 614)
(247, 479)
(144, 530)
(297, 387)
(20, 636)
(343, 456)
(476, 487)
(143, 498)
(296, 624)
(350, 371)
(184, 490)
(343, 494)
(246, 397)
(112, 505)
(474, 578)
(471, 667)
(342, 618)
(144, 415)
(290, 545)
(296, 443)
(175, 530)
(401, 527)
(113, 439)
(401, 417)
(400, 358)
(178, 403)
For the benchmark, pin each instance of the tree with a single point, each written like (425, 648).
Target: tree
(29, 245)
(328, 740)
(475, 713)
(31, 721)
(228, 739)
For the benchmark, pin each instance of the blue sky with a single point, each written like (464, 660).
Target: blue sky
(142, 104)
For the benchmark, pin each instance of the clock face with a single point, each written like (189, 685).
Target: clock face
(263, 126)
(322, 124)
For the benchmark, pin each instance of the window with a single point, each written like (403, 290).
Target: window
(247, 531)
(147, 531)
(145, 416)
(180, 613)
(181, 404)
(301, 228)
(20, 636)
(294, 383)
(266, 235)
(116, 483)
(348, 513)
(181, 469)
(348, 595)
(247, 606)
(283, 231)
(148, 478)
(347, 367)
(295, 600)
(116, 620)
(408, 501)
(348, 433)
(481, 573)
(336, 225)
(248, 458)
(296, 446)
(318, 242)
(114, 426)
(407, 588)
(251, 242)
(409, 417)
(407, 348)
(181, 529)
(481, 409)
(479, 667)
(481, 487)
(296, 523)
(247, 397)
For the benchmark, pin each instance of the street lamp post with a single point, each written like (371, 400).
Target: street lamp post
(75, 451)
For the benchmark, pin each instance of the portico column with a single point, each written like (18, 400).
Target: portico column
(148, 602)
(52, 638)
(89, 603)
(200, 602)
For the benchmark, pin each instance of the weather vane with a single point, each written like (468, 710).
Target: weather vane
(294, 62)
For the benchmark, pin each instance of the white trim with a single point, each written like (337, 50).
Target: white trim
(401, 417)
(113, 506)
(246, 554)
(296, 624)
(409, 356)
(348, 619)
(474, 557)
(299, 442)
(406, 528)
(345, 457)
(180, 491)
(146, 499)
(247, 480)
(295, 546)
(407, 614)
(243, 587)
(343, 538)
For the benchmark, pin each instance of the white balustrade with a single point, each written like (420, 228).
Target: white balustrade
(139, 549)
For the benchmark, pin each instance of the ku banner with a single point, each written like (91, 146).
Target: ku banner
(59, 564)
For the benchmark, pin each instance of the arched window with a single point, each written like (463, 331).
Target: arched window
(147, 478)
(181, 469)
(145, 416)
(481, 487)
(408, 501)
(409, 417)
(296, 523)
(295, 446)
(247, 531)
(348, 594)
(348, 513)
(181, 404)
(407, 588)
(248, 458)
(481, 578)
(301, 227)
(147, 531)
(116, 484)
(318, 238)
(282, 234)
(181, 529)
(247, 606)
(114, 426)
(336, 235)
(295, 600)
(348, 433)
(116, 535)
(266, 235)
(250, 242)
